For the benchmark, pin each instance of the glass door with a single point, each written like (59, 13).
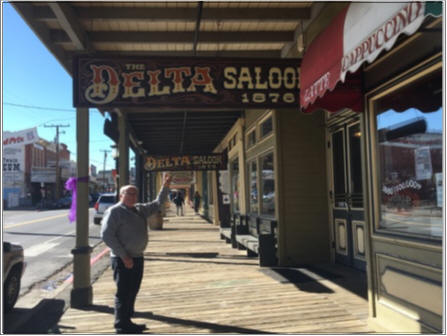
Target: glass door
(347, 195)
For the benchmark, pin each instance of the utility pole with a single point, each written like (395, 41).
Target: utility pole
(104, 168)
(56, 140)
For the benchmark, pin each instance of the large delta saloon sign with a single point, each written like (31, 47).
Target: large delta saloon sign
(185, 82)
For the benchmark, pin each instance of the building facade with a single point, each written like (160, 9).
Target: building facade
(357, 178)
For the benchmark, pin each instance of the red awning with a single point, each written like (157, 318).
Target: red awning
(358, 34)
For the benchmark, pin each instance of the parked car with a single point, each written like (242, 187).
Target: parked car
(104, 201)
(13, 268)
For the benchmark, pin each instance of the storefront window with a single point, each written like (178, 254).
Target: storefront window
(235, 185)
(355, 166)
(268, 185)
(338, 164)
(266, 127)
(210, 188)
(251, 138)
(253, 180)
(409, 158)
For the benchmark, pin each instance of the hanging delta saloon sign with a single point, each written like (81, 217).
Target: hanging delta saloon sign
(212, 161)
(185, 82)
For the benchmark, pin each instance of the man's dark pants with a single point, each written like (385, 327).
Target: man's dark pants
(128, 284)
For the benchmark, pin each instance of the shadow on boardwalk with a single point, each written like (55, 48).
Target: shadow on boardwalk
(195, 283)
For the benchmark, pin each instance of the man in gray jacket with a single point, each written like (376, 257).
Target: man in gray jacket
(124, 230)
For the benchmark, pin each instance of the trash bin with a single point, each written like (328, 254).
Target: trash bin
(155, 221)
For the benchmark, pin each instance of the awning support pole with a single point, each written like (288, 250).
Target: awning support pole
(82, 293)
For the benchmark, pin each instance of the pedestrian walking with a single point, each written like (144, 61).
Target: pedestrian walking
(124, 230)
(196, 201)
(179, 201)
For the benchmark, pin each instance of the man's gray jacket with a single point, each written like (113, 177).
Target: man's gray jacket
(125, 231)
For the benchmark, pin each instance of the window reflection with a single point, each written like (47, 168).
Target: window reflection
(409, 133)
(355, 162)
(235, 185)
(268, 186)
(338, 164)
(253, 178)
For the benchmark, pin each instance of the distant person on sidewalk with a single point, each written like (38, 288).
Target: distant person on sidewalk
(196, 201)
(124, 230)
(179, 201)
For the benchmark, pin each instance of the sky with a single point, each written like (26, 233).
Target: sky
(37, 91)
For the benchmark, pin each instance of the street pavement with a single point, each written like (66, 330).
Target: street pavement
(47, 238)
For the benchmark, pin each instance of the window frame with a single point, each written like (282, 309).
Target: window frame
(407, 79)
(251, 131)
(231, 162)
(249, 163)
(260, 162)
(269, 116)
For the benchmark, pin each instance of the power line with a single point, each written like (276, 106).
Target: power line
(40, 107)
(44, 107)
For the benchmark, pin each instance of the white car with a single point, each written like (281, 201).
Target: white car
(13, 268)
(104, 201)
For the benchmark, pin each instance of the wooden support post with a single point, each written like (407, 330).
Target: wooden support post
(81, 293)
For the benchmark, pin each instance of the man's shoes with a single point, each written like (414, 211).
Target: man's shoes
(121, 331)
(127, 331)
(138, 326)
(132, 328)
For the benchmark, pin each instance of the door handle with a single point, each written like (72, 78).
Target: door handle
(348, 198)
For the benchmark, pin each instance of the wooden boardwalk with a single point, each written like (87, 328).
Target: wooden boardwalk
(196, 283)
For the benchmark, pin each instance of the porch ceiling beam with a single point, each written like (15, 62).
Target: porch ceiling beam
(167, 126)
(61, 36)
(190, 14)
(176, 134)
(70, 24)
(264, 53)
(230, 115)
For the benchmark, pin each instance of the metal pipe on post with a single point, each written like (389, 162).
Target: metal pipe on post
(82, 293)
(104, 169)
(138, 175)
(123, 147)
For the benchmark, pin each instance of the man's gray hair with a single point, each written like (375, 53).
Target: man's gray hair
(123, 189)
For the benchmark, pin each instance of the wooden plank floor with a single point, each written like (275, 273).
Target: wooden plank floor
(196, 283)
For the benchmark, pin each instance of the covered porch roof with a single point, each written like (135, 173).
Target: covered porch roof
(161, 29)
